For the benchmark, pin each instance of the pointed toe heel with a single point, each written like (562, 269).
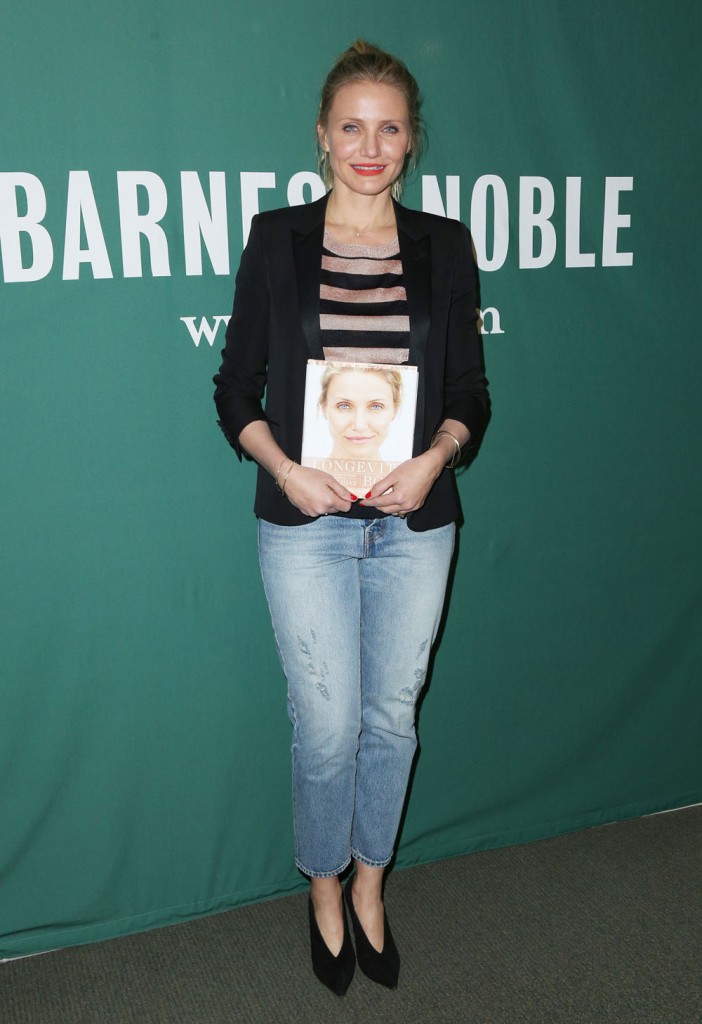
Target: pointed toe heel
(336, 972)
(384, 967)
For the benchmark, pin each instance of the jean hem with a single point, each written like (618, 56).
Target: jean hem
(368, 862)
(321, 874)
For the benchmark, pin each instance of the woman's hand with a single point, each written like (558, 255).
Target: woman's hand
(316, 493)
(312, 491)
(406, 488)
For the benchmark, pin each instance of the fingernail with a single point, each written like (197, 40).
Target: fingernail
(354, 497)
(369, 494)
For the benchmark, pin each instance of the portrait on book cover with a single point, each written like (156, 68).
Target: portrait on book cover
(358, 419)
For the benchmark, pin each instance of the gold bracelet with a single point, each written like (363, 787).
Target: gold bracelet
(285, 478)
(277, 475)
(456, 455)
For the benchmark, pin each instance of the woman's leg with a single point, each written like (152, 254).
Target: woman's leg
(310, 575)
(311, 579)
(403, 584)
(367, 896)
(326, 897)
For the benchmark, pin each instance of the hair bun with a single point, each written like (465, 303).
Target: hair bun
(362, 46)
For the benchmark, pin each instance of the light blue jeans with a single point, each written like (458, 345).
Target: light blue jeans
(355, 605)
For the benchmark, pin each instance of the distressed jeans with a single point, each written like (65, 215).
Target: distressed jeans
(355, 605)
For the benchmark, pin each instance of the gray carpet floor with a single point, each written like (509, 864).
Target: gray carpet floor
(597, 926)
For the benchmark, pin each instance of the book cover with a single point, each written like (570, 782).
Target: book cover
(358, 420)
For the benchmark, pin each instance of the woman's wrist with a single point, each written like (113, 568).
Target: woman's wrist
(283, 472)
(434, 459)
(447, 446)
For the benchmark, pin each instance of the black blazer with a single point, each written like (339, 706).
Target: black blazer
(274, 330)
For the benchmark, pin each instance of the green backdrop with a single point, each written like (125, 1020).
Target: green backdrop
(144, 766)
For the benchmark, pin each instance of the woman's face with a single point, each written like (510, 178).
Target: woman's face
(367, 137)
(359, 410)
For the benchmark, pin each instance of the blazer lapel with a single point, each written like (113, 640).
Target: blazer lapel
(307, 249)
(415, 252)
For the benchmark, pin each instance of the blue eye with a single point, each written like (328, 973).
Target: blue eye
(392, 128)
(349, 128)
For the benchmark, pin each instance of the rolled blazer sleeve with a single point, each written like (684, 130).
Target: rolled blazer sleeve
(466, 395)
(241, 380)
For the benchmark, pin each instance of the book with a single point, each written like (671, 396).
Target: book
(358, 419)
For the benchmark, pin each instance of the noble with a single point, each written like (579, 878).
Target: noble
(537, 238)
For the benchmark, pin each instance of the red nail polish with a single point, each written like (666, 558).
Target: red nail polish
(353, 496)
(369, 494)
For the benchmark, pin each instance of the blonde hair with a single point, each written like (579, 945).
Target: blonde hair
(391, 377)
(363, 62)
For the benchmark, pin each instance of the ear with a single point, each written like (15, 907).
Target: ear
(322, 136)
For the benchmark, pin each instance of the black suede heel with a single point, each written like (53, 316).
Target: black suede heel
(336, 972)
(383, 968)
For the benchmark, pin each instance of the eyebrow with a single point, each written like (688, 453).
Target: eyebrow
(342, 399)
(386, 120)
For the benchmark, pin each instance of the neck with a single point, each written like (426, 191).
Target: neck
(360, 214)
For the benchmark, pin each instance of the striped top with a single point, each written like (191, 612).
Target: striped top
(363, 314)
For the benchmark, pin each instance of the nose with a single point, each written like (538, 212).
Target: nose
(370, 144)
(360, 420)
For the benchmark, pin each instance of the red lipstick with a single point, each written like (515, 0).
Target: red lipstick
(368, 170)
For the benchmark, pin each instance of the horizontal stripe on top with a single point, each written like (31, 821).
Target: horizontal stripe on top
(349, 354)
(356, 249)
(364, 339)
(339, 322)
(354, 281)
(353, 309)
(326, 291)
(342, 266)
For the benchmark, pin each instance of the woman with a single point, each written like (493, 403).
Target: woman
(359, 406)
(355, 584)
